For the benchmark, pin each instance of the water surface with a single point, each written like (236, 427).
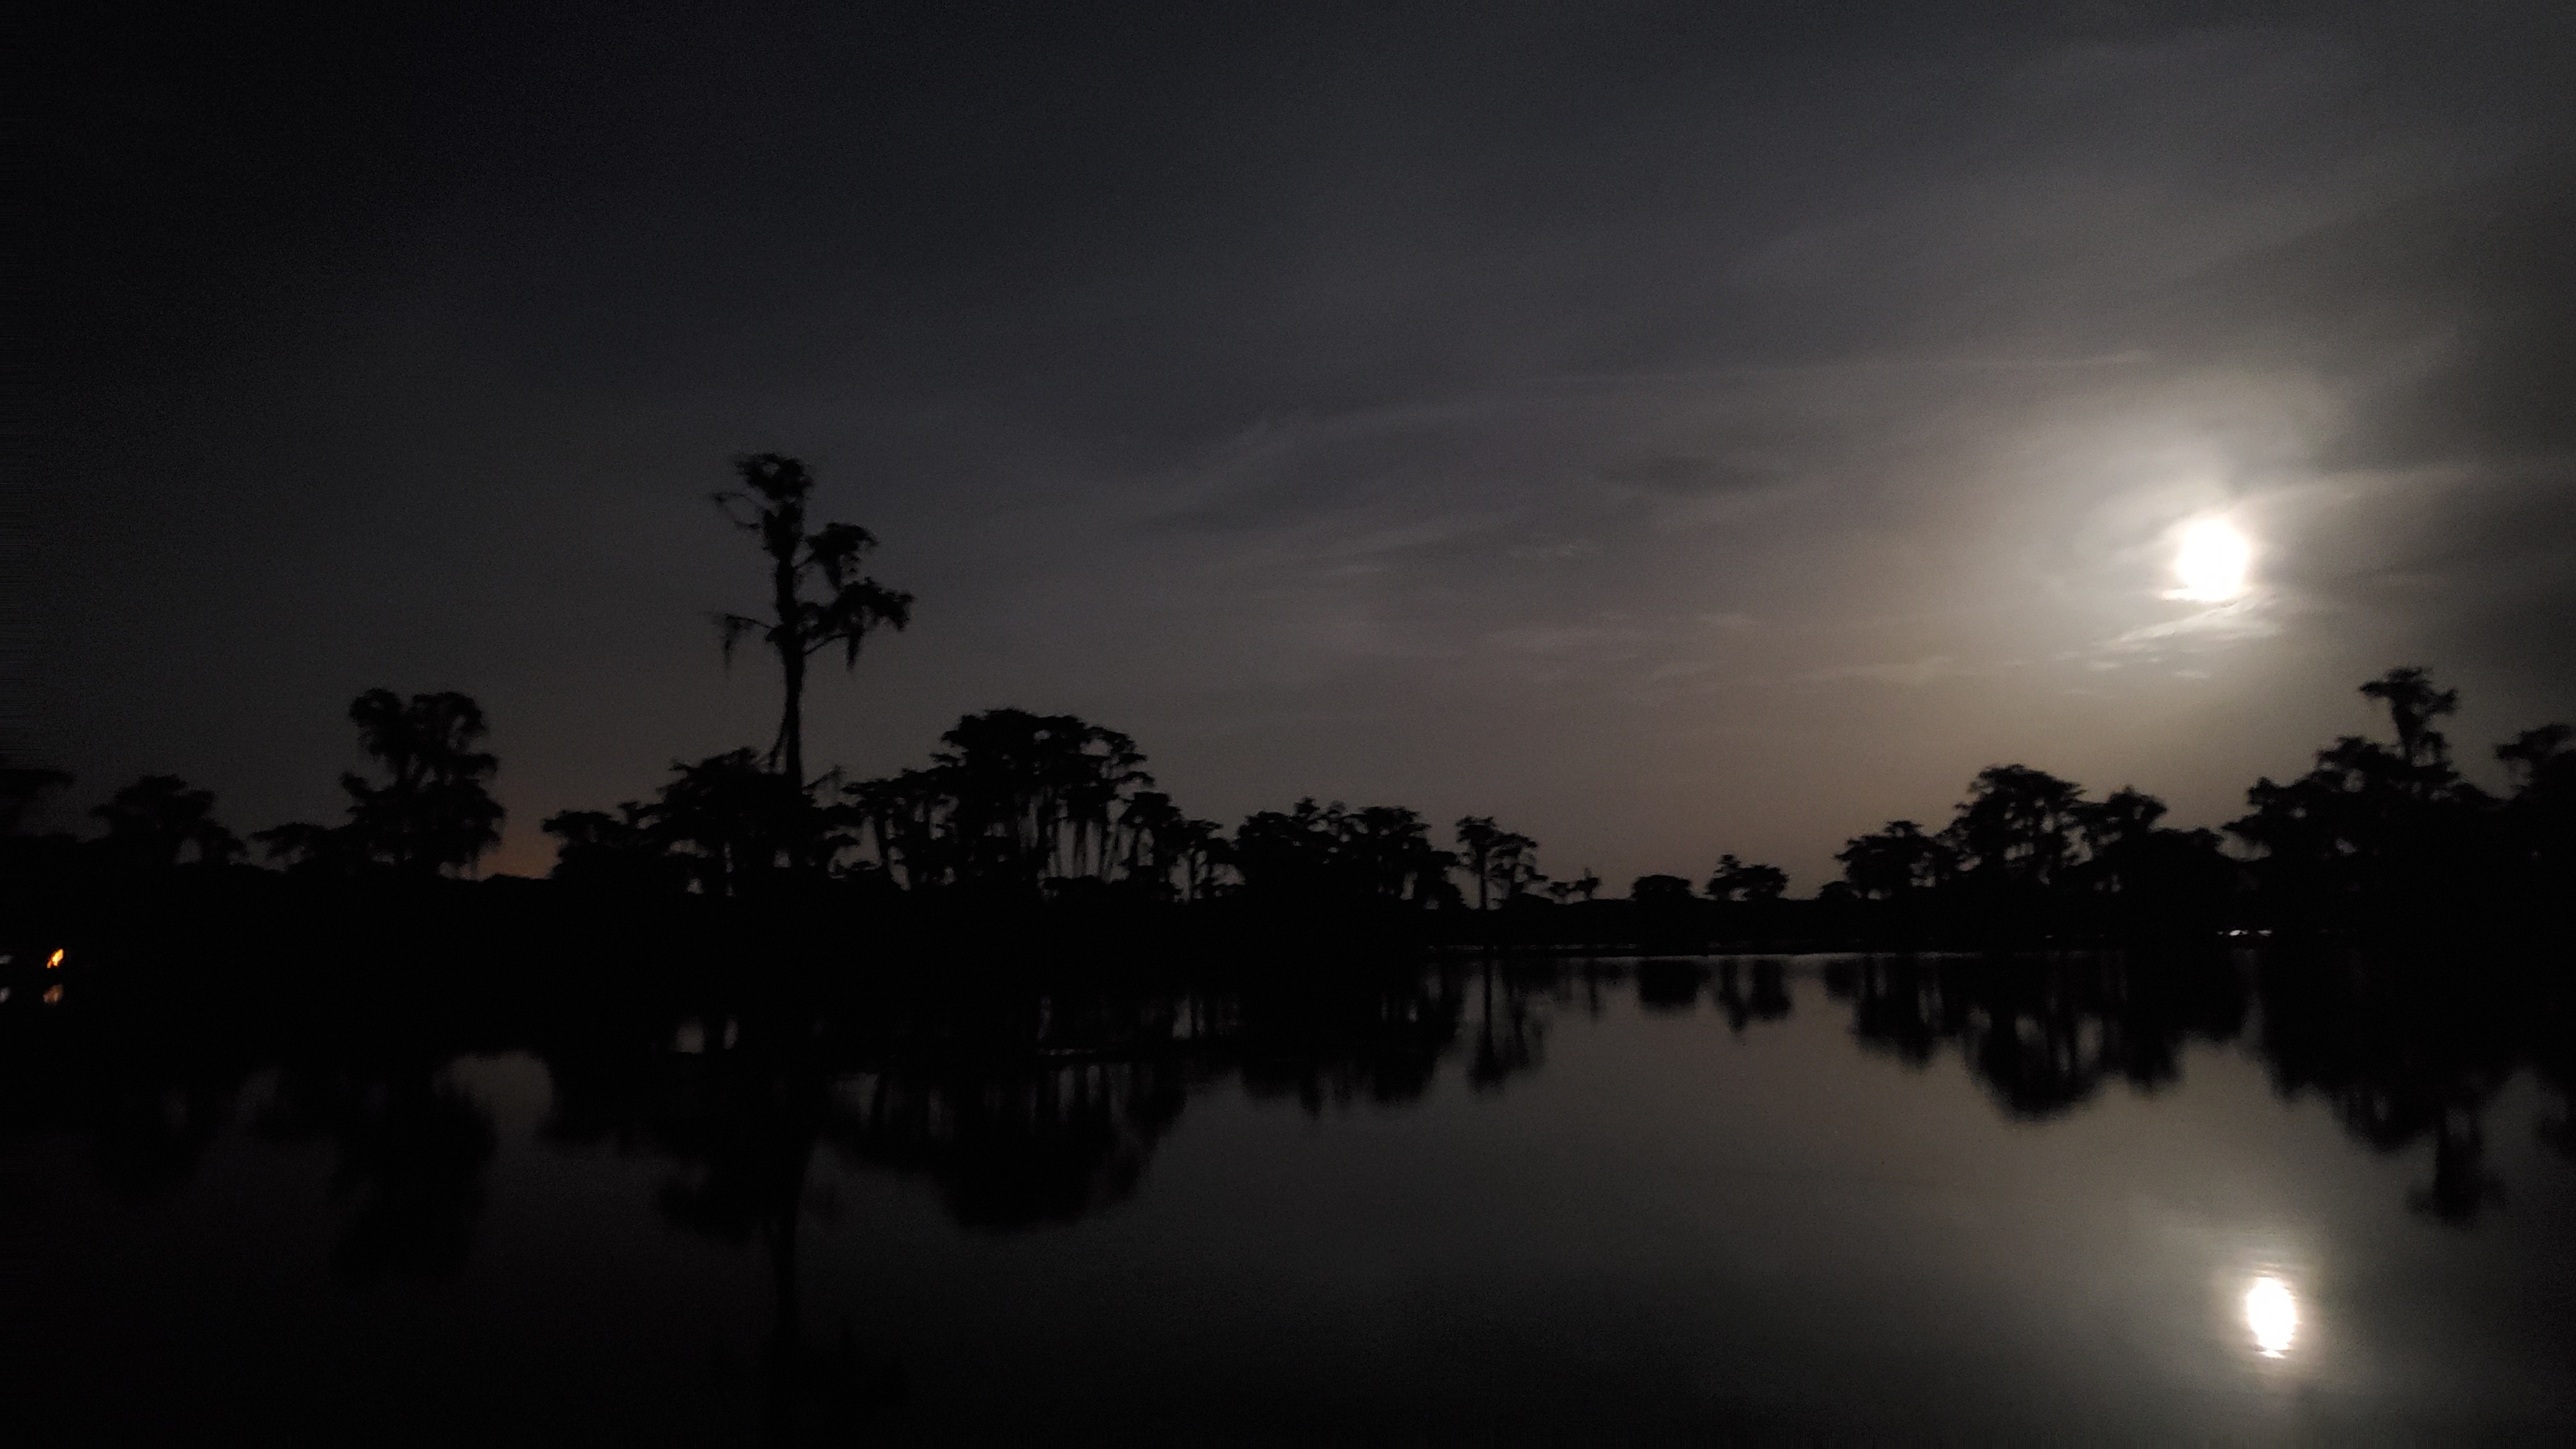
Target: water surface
(1664, 1200)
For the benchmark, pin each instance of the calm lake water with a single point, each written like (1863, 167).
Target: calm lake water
(1660, 1201)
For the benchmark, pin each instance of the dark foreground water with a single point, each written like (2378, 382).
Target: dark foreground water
(1679, 1200)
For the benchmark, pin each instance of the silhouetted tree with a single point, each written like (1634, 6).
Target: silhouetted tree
(2540, 820)
(1738, 881)
(1389, 849)
(2016, 826)
(1477, 835)
(1025, 804)
(1515, 866)
(903, 818)
(625, 849)
(150, 822)
(1203, 852)
(1146, 843)
(1496, 858)
(2154, 881)
(2540, 757)
(2372, 832)
(433, 811)
(769, 504)
(2119, 822)
(1333, 853)
(1033, 798)
(733, 823)
(1660, 890)
(1294, 854)
(1896, 860)
(2413, 704)
(2028, 855)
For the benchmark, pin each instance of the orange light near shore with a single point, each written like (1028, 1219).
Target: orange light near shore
(55, 961)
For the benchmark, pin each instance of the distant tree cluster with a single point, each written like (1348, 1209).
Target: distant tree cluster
(1017, 804)
(1024, 807)
(433, 811)
(1503, 864)
(152, 824)
(2378, 827)
(1380, 853)
(2374, 830)
(2028, 844)
(430, 811)
(1029, 804)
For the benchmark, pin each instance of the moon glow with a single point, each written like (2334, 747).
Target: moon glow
(2212, 561)
(2272, 1311)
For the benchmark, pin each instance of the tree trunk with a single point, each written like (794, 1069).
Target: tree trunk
(791, 724)
(791, 653)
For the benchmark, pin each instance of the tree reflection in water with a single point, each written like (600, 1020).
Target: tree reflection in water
(1745, 992)
(2402, 1055)
(1042, 1103)
(2043, 1034)
(1023, 1107)
(411, 1147)
(1766, 1000)
(2402, 1050)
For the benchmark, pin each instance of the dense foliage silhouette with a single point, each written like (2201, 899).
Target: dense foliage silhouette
(434, 809)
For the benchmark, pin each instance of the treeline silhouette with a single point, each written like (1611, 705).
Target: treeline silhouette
(1051, 822)
(2375, 837)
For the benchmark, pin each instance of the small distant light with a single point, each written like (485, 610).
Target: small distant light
(53, 993)
(2273, 1313)
(4, 993)
(54, 961)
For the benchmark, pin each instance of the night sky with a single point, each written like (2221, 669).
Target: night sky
(1670, 429)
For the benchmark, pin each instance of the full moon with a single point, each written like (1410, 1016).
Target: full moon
(2211, 563)
(2272, 1311)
